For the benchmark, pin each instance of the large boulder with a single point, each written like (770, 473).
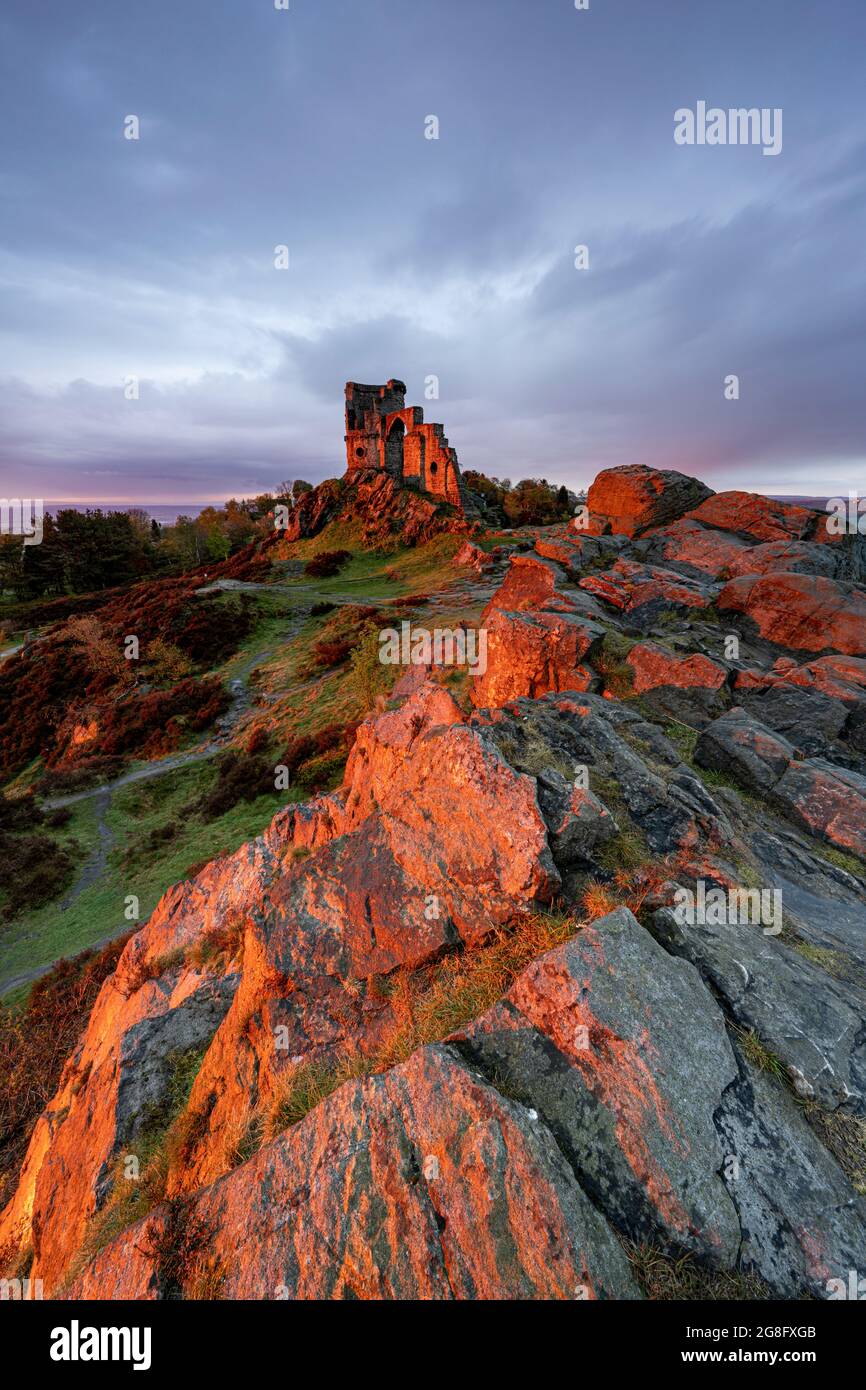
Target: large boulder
(829, 802)
(840, 677)
(737, 744)
(801, 612)
(623, 1053)
(538, 635)
(687, 542)
(808, 718)
(433, 838)
(630, 499)
(645, 592)
(422, 1183)
(761, 518)
(654, 666)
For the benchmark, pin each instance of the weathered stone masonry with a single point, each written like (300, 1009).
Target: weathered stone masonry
(383, 434)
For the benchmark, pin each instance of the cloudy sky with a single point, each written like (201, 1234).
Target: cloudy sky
(413, 257)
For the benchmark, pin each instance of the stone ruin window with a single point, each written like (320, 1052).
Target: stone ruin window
(434, 467)
(394, 449)
(360, 453)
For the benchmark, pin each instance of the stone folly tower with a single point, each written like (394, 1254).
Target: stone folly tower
(384, 435)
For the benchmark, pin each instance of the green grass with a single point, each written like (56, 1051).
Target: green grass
(842, 860)
(135, 811)
(278, 649)
(610, 661)
(760, 1056)
(683, 737)
(833, 962)
(425, 1006)
(375, 574)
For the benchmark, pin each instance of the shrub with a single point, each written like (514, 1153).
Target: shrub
(329, 563)
(35, 1043)
(60, 781)
(34, 868)
(305, 747)
(240, 777)
(331, 653)
(319, 610)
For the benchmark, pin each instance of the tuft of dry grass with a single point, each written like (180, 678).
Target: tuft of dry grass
(426, 1006)
(665, 1277)
(631, 884)
(755, 1050)
(845, 1136)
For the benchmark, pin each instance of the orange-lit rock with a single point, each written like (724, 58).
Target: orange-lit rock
(654, 666)
(799, 611)
(629, 500)
(760, 517)
(423, 1183)
(841, 677)
(631, 586)
(617, 1084)
(537, 636)
(433, 838)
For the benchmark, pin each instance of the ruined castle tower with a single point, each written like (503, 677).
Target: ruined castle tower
(383, 434)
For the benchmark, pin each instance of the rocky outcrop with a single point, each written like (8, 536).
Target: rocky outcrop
(828, 801)
(505, 1124)
(538, 636)
(629, 1092)
(695, 546)
(383, 509)
(473, 557)
(802, 1223)
(424, 1183)
(841, 678)
(434, 838)
(810, 1022)
(653, 666)
(800, 612)
(761, 518)
(633, 498)
(737, 744)
(644, 592)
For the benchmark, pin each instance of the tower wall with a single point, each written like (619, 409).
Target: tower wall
(384, 434)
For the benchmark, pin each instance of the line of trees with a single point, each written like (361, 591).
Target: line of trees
(96, 549)
(531, 502)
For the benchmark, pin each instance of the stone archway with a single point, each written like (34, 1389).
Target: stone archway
(394, 449)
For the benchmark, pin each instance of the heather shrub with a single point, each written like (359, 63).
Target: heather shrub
(35, 1043)
(332, 653)
(34, 868)
(240, 777)
(329, 563)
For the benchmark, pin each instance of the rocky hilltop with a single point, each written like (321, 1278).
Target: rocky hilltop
(447, 1031)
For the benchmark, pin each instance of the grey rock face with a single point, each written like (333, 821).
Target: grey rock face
(808, 718)
(577, 821)
(802, 1015)
(736, 743)
(623, 1052)
(802, 1222)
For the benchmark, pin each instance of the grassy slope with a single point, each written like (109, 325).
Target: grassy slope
(299, 699)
